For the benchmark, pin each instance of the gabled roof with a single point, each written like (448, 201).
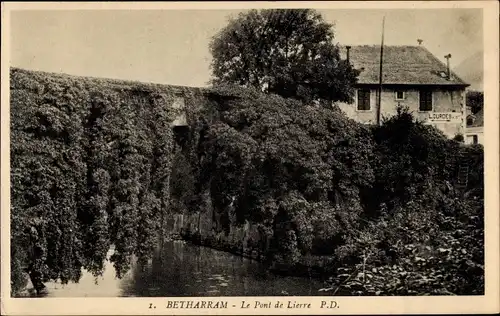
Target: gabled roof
(478, 119)
(401, 65)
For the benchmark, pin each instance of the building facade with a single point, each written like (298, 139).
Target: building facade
(474, 133)
(411, 77)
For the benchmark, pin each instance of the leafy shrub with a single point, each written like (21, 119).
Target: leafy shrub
(383, 198)
(419, 239)
(459, 138)
(293, 169)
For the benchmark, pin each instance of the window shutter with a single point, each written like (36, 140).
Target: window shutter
(425, 100)
(363, 100)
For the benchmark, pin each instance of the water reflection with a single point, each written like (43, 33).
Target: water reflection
(182, 269)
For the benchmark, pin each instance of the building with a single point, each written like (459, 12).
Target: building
(411, 77)
(474, 133)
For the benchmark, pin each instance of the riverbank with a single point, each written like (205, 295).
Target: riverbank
(423, 268)
(247, 240)
(307, 266)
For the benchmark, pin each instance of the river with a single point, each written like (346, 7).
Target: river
(183, 269)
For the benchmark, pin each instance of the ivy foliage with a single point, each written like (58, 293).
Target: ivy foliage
(318, 183)
(90, 169)
(297, 170)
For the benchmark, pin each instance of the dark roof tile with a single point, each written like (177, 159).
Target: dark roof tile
(401, 65)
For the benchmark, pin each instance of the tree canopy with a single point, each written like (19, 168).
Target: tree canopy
(286, 52)
(475, 100)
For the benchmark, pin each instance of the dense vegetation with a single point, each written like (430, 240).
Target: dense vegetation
(381, 198)
(90, 168)
(475, 100)
(426, 236)
(289, 52)
(94, 163)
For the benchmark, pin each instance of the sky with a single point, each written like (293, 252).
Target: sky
(172, 46)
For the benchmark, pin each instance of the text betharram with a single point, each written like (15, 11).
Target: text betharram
(197, 304)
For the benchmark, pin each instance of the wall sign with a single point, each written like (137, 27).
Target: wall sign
(452, 117)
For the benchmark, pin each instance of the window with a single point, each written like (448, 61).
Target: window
(472, 139)
(470, 121)
(363, 100)
(400, 95)
(425, 100)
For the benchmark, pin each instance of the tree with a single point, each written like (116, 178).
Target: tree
(285, 52)
(475, 100)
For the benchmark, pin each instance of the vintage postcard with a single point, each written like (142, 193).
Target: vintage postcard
(240, 158)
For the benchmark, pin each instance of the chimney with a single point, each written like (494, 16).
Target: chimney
(448, 73)
(419, 42)
(348, 48)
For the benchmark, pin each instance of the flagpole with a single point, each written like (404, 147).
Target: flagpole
(379, 101)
